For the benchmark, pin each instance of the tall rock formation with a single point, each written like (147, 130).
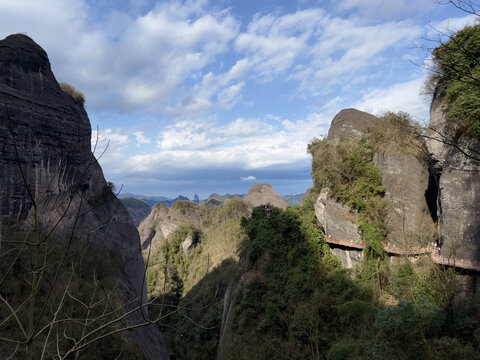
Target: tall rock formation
(336, 219)
(46, 156)
(457, 175)
(349, 124)
(403, 162)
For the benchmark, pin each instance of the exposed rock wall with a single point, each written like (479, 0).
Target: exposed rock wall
(458, 177)
(349, 124)
(406, 179)
(337, 220)
(263, 194)
(45, 155)
(163, 221)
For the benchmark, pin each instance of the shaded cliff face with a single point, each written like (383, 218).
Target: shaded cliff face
(137, 209)
(262, 194)
(458, 181)
(45, 155)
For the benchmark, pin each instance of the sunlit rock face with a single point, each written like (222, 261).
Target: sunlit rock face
(406, 178)
(163, 221)
(46, 155)
(349, 124)
(458, 181)
(263, 194)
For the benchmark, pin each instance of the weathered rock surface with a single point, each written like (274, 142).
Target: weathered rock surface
(45, 139)
(263, 194)
(349, 124)
(406, 179)
(336, 219)
(458, 178)
(163, 221)
(348, 258)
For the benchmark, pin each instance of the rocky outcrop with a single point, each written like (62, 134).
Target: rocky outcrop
(349, 124)
(457, 174)
(336, 219)
(406, 180)
(263, 194)
(163, 221)
(47, 164)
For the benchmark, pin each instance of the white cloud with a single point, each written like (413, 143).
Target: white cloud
(381, 9)
(403, 96)
(123, 61)
(452, 25)
(230, 96)
(141, 138)
(248, 178)
(242, 144)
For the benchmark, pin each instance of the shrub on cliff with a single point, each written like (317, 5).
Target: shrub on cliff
(76, 95)
(457, 71)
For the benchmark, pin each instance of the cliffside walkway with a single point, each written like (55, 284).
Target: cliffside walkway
(438, 259)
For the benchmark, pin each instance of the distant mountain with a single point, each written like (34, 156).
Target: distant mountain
(137, 209)
(216, 199)
(292, 199)
(152, 200)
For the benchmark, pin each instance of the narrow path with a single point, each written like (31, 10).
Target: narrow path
(459, 263)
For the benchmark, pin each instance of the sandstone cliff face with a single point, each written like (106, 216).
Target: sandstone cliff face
(163, 221)
(405, 176)
(406, 179)
(349, 124)
(45, 140)
(458, 181)
(263, 194)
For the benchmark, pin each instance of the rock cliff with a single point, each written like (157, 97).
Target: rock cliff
(349, 124)
(404, 164)
(457, 175)
(47, 164)
(263, 194)
(163, 221)
(406, 180)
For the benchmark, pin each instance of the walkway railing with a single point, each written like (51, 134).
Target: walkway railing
(459, 263)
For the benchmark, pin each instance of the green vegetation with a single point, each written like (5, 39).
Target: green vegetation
(295, 304)
(457, 72)
(63, 298)
(194, 283)
(134, 203)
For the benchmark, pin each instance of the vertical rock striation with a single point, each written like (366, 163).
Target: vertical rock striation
(457, 175)
(46, 161)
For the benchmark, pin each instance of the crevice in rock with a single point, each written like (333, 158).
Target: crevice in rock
(432, 193)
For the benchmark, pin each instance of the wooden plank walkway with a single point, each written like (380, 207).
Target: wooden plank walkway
(438, 259)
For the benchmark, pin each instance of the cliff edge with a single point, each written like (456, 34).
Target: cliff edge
(48, 169)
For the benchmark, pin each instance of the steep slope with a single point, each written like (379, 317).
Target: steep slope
(163, 221)
(49, 176)
(137, 209)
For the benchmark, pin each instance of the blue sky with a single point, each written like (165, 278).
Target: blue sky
(214, 96)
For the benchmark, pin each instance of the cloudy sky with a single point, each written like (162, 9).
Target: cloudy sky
(214, 96)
